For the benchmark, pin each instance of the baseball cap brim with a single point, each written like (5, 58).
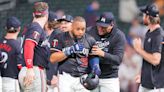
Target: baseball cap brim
(102, 24)
(143, 9)
(63, 20)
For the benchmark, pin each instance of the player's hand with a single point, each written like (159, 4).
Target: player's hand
(29, 78)
(97, 51)
(137, 44)
(76, 48)
(54, 81)
(138, 78)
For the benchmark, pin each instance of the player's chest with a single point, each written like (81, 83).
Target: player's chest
(104, 44)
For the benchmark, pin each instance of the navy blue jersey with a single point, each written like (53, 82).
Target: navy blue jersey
(54, 33)
(113, 45)
(12, 56)
(150, 73)
(75, 65)
(41, 51)
(52, 68)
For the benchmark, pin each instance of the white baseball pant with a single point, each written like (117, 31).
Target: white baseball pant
(108, 85)
(39, 83)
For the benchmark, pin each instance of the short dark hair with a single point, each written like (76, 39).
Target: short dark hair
(79, 19)
(12, 30)
(53, 24)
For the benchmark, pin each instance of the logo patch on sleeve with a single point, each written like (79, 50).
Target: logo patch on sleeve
(55, 43)
(36, 35)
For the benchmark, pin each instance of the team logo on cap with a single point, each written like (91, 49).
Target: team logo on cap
(64, 17)
(103, 19)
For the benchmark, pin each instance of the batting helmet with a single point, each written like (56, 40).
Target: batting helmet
(89, 81)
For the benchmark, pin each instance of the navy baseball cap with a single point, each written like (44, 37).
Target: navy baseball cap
(105, 19)
(151, 10)
(67, 18)
(13, 22)
(52, 16)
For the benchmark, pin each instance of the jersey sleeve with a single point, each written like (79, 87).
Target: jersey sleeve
(156, 43)
(56, 43)
(33, 34)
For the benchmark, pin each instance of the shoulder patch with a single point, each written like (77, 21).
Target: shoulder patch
(36, 35)
(54, 43)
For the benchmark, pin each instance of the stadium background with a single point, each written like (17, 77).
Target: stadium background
(23, 9)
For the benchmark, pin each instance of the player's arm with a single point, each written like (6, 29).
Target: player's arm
(29, 53)
(61, 52)
(57, 57)
(118, 50)
(32, 38)
(154, 56)
(93, 60)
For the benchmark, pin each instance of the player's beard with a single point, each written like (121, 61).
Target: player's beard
(76, 36)
(145, 23)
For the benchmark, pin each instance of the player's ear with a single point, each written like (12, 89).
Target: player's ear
(19, 28)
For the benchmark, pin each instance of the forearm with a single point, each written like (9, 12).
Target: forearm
(151, 58)
(55, 69)
(29, 53)
(57, 57)
(115, 58)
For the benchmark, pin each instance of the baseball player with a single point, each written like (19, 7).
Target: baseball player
(11, 56)
(152, 79)
(110, 48)
(36, 52)
(51, 27)
(71, 50)
(65, 23)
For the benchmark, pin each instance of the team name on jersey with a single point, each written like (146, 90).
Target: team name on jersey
(5, 47)
(102, 45)
(85, 51)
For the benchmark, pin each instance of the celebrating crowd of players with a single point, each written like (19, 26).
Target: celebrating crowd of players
(56, 52)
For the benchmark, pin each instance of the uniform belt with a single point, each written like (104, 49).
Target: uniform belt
(41, 68)
(72, 74)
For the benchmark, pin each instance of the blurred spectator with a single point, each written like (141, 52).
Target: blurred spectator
(59, 12)
(32, 1)
(7, 4)
(129, 68)
(137, 29)
(160, 4)
(127, 10)
(91, 13)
